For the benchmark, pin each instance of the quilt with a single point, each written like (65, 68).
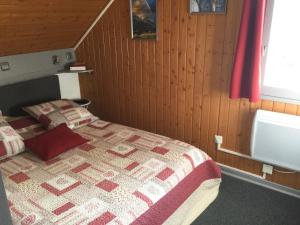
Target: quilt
(118, 177)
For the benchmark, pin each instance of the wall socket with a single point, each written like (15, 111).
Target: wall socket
(267, 169)
(218, 139)
(4, 66)
(69, 56)
(56, 60)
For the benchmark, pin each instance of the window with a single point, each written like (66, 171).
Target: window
(281, 61)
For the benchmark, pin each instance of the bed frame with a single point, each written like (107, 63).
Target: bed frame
(15, 96)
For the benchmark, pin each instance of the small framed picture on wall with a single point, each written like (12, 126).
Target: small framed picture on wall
(208, 6)
(143, 19)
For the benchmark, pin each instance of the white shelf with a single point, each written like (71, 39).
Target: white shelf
(77, 71)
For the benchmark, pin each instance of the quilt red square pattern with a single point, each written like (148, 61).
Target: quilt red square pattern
(120, 178)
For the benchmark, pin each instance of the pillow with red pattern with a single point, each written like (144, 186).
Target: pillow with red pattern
(26, 126)
(74, 118)
(54, 142)
(45, 108)
(11, 143)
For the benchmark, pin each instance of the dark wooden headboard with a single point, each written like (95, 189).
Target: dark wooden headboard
(14, 96)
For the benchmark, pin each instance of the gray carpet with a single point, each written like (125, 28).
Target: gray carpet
(243, 203)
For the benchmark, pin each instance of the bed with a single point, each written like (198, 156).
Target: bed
(121, 175)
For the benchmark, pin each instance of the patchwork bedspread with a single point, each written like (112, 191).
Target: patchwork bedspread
(119, 177)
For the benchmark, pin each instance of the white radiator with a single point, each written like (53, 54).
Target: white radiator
(275, 139)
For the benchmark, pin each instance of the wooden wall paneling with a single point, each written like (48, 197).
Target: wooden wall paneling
(133, 87)
(117, 69)
(182, 52)
(159, 63)
(182, 79)
(298, 110)
(166, 20)
(233, 106)
(102, 66)
(232, 127)
(127, 72)
(31, 26)
(127, 76)
(139, 79)
(242, 143)
(92, 60)
(290, 109)
(152, 86)
(132, 79)
(122, 67)
(119, 63)
(126, 80)
(291, 180)
(190, 77)
(174, 66)
(131, 75)
(208, 67)
(278, 107)
(243, 132)
(97, 68)
(267, 105)
(104, 71)
(103, 88)
(216, 75)
(110, 63)
(143, 101)
(146, 92)
(102, 75)
(199, 77)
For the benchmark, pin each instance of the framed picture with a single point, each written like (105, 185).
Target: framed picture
(208, 6)
(143, 19)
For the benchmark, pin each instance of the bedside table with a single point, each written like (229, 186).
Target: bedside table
(82, 102)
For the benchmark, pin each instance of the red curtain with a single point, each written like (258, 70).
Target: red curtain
(245, 80)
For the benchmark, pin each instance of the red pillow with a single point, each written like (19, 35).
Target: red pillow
(54, 142)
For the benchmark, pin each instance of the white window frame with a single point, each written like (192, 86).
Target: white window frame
(267, 92)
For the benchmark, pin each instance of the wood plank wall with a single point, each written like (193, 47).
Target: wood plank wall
(177, 86)
(32, 26)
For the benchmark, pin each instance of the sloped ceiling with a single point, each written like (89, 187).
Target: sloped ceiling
(40, 25)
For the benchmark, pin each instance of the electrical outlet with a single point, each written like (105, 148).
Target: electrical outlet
(69, 56)
(4, 66)
(267, 169)
(218, 139)
(56, 60)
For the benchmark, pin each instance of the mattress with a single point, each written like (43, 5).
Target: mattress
(121, 176)
(195, 204)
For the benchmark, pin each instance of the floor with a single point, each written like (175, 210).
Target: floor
(243, 203)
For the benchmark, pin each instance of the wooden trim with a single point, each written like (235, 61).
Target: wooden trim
(93, 24)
